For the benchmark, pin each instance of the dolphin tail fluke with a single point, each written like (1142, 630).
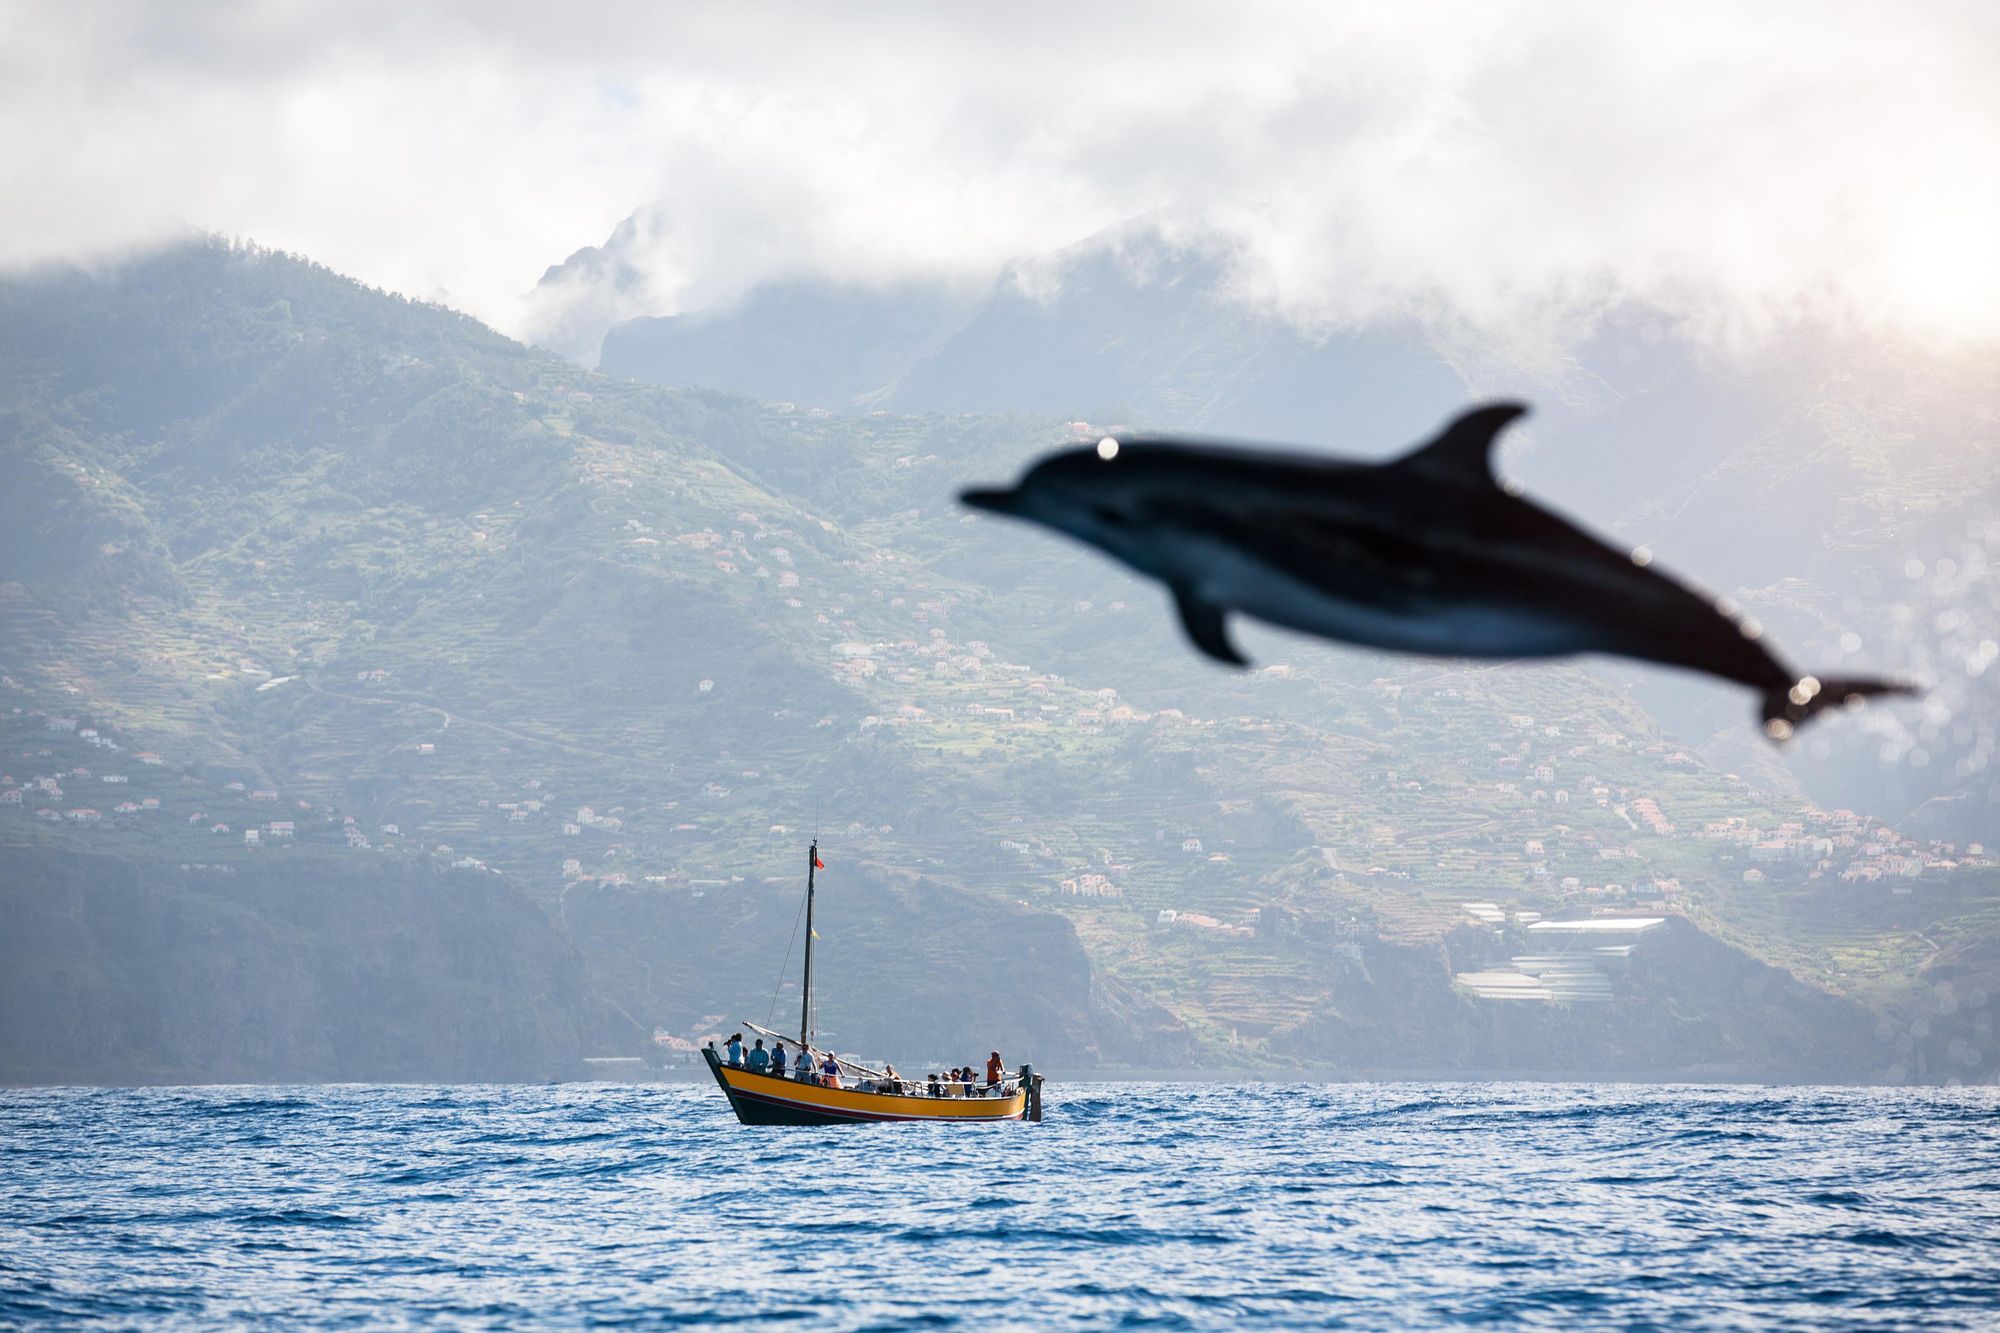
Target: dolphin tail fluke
(1790, 707)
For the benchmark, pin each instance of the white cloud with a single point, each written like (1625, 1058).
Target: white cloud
(1497, 161)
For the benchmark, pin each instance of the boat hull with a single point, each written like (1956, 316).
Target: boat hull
(760, 1099)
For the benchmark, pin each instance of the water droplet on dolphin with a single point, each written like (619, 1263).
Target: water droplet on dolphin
(1107, 448)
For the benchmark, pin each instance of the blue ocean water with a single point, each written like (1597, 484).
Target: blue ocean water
(1132, 1206)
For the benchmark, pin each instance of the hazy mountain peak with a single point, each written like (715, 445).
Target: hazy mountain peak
(577, 300)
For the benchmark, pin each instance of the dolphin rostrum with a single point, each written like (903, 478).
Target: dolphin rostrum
(1428, 553)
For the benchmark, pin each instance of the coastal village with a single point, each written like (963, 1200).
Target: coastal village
(1594, 844)
(1813, 845)
(1163, 831)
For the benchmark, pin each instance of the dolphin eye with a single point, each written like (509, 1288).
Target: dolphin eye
(1114, 517)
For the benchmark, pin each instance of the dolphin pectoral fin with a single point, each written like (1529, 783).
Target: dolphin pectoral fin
(1205, 624)
(1464, 449)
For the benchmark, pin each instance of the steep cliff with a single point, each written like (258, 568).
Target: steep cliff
(115, 971)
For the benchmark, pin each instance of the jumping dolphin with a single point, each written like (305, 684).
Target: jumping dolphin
(1428, 553)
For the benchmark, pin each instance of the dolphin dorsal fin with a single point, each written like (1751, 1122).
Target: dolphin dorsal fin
(1464, 449)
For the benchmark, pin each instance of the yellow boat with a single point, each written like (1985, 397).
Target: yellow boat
(761, 1098)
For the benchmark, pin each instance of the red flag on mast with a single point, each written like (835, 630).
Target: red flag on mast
(817, 863)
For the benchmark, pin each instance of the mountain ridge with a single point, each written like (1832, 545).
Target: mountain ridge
(615, 641)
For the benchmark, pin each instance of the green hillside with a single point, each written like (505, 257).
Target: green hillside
(443, 603)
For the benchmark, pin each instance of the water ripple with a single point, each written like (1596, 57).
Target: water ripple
(1139, 1206)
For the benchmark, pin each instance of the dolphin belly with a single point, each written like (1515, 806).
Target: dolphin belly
(1453, 631)
(1398, 620)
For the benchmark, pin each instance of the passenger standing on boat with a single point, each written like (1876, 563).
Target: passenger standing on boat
(778, 1059)
(759, 1058)
(936, 1089)
(735, 1049)
(891, 1080)
(806, 1071)
(995, 1067)
(829, 1072)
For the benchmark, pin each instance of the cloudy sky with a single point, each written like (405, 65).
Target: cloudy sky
(1740, 163)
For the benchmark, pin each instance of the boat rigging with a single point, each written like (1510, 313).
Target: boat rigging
(810, 1097)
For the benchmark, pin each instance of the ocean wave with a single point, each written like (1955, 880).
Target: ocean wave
(1163, 1205)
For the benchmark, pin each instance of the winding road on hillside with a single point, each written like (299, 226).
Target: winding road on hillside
(498, 730)
(1427, 835)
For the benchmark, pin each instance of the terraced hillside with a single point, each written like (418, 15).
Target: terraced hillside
(365, 569)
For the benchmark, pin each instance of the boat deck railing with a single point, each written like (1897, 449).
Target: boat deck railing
(874, 1082)
(900, 1087)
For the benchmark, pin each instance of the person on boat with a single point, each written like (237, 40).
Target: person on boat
(891, 1081)
(829, 1072)
(995, 1067)
(735, 1049)
(936, 1089)
(807, 1071)
(777, 1059)
(759, 1059)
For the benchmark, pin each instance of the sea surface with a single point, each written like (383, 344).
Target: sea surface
(1132, 1206)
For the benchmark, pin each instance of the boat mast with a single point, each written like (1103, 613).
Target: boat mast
(806, 999)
